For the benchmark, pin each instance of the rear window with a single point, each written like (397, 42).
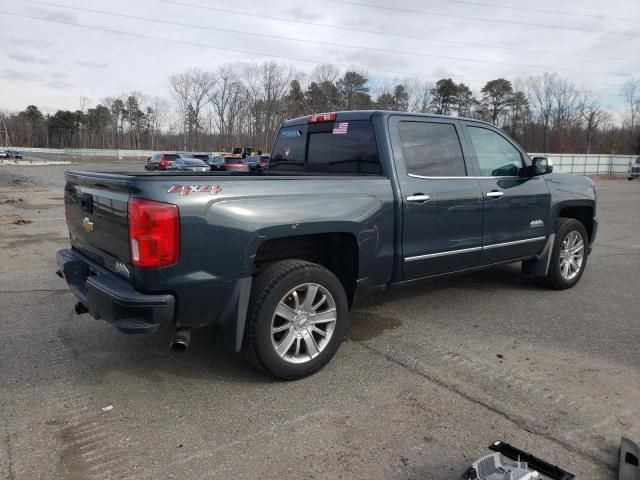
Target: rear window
(170, 156)
(432, 149)
(333, 147)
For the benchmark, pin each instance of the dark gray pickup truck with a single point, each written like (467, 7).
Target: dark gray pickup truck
(351, 200)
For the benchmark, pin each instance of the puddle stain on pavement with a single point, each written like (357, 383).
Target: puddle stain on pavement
(367, 325)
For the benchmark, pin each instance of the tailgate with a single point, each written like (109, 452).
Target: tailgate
(96, 212)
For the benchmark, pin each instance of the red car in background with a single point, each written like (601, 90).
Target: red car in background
(160, 161)
(236, 165)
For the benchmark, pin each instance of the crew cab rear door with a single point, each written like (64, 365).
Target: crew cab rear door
(441, 203)
(516, 205)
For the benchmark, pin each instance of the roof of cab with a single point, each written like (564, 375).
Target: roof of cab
(344, 116)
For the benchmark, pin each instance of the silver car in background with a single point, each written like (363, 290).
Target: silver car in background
(188, 164)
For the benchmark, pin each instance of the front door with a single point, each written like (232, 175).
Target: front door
(441, 204)
(516, 205)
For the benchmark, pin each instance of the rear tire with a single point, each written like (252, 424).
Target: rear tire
(297, 318)
(569, 255)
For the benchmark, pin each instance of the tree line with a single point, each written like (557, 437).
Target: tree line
(240, 105)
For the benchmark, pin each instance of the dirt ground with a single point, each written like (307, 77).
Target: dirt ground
(426, 379)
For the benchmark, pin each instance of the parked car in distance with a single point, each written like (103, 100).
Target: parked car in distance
(10, 153)
(352, 200)
(160, 161)
(258, 162)
(236, 165)
(254, 162)
(265, 159)
(216, 162)
(634, 169)
(189, 164)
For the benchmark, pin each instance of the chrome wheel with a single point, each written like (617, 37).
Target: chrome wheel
(571, 255)
(303, 323)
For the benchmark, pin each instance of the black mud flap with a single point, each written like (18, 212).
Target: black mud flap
(539, 266)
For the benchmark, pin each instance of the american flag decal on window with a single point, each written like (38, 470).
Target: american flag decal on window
(340, 128)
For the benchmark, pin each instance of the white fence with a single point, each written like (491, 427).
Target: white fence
(71, 153)
(562, 162)
(589, 164)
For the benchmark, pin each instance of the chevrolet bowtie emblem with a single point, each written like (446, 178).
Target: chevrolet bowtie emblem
(87, 224)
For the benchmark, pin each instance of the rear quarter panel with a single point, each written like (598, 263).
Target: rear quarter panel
(225, 222)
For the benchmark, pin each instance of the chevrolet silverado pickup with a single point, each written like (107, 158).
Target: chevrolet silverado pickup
(352, 200)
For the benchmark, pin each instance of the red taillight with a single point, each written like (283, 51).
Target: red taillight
(154, 233)
(165, 163)
(322, 117)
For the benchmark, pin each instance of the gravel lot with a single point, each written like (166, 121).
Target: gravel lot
(427, 378)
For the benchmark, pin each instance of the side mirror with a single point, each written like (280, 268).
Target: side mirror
(542, 165)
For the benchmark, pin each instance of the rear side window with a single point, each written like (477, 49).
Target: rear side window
(171, 156)
(332, 147)
(432, 149)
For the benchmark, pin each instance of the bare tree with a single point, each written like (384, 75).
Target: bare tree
(226, 99)
(592, 114)
(540, 91)
(191, 90)
(631, 92)
(267, 85)
(158, 114)
(419, 94)
(324, 73)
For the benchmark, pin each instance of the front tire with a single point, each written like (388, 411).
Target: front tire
(569, 255)
(296, 320)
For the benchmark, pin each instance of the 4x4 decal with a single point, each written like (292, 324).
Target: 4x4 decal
(187, 189)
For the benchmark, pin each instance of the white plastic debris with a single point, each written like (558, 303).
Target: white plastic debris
(108, 408)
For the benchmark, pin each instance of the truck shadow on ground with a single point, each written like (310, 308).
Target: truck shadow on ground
(149, 357)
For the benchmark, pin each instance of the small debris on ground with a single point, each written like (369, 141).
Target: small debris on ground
(499, 355)
(108, 408)
(22, 221)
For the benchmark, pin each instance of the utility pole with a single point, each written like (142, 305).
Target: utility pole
(4, 135)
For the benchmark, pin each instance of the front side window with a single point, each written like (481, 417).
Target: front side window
(432, 149)
(496, 156)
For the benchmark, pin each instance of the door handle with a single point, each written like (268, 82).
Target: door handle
(494, 194)
(418, 198)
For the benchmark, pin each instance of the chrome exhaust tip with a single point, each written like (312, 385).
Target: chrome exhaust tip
(180, 340)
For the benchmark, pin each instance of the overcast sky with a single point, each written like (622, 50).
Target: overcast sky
(594, 42)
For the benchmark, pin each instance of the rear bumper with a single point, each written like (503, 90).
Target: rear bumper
(108, 297)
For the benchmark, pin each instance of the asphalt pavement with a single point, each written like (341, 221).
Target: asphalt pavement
(427, 378)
